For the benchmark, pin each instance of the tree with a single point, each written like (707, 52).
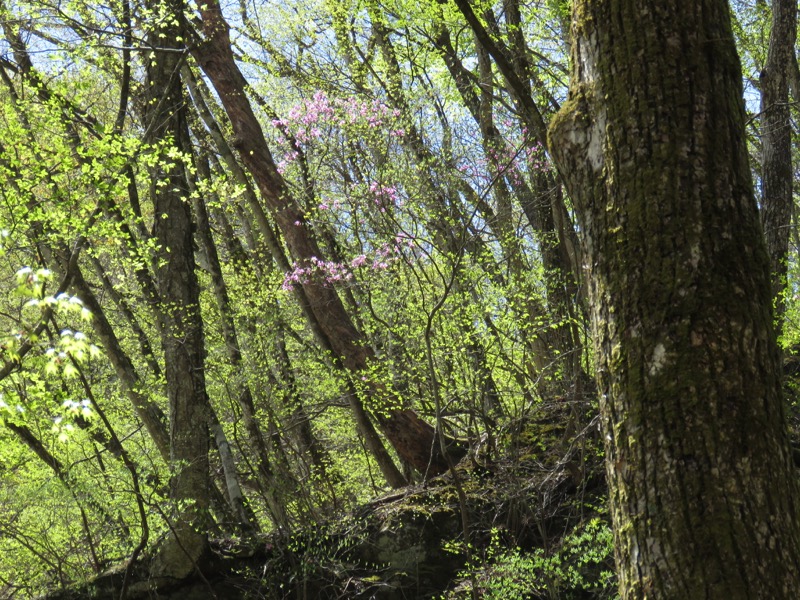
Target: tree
(178, 300)
(412, 438)
(776, 133)
(651, 145)
(308, 232)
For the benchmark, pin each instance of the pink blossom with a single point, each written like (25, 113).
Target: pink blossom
(384, 194)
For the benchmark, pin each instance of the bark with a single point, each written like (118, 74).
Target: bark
(776, 131)
(651, 142)
(178, 289)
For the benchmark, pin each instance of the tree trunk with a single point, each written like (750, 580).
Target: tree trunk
(182, 327)
(553, 348)
(266, 477)
(651, 145)
(402, 427)
(230, 84)
(235, 496)
(150, 413)
(776, 134)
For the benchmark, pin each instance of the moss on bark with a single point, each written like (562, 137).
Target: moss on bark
(651, 144)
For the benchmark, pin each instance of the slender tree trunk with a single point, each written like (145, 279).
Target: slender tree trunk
(150, 413)
(410, 435)
(651, 143)
(182, 327)
(550, 346)
(127, 312)
(777, 173)
(235, 496)
(255, 438)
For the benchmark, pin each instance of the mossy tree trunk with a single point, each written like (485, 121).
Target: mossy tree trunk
(651, 145)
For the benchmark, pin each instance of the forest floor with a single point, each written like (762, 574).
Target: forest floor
(535, 516)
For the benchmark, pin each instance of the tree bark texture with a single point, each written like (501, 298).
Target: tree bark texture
(776, 132)
(651, 145)
(182, 327)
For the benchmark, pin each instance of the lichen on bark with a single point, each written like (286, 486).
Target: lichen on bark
(651, 146)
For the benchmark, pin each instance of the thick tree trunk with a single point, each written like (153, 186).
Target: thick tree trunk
(651, 144)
